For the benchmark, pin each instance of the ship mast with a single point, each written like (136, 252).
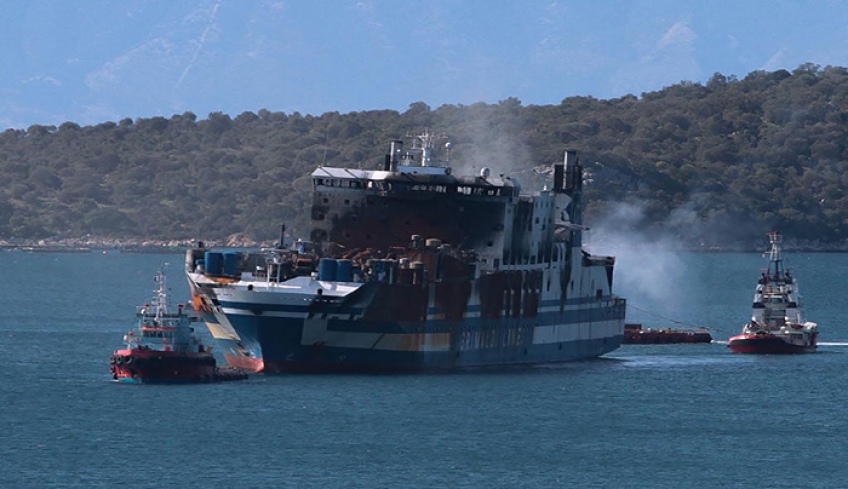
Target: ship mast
(426, 142)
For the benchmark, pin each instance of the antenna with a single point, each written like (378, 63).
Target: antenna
(426, 142)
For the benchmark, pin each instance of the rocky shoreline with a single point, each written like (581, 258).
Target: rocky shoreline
(82, 245)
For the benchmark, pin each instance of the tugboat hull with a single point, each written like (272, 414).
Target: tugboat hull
(635, 335)
(766, 344)
(158, 367)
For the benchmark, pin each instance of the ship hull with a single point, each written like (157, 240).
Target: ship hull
(261, 337)
(767, 344)
(351, 360)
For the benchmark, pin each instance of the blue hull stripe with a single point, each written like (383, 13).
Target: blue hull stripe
(353, 309)
(568, 317)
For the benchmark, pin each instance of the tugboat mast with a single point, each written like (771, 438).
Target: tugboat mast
(161, 292)
(774, 254)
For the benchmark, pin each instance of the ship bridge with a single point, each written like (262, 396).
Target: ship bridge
(380, 209)
(435, 179)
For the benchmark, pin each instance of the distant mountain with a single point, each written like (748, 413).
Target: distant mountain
(94, 61)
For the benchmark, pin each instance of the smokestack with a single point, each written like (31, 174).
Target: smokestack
(282, 237)
(558, 178)
(573, 172)
(397, 149)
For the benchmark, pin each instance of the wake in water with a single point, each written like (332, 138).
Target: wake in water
(675, 361)
(820, 343)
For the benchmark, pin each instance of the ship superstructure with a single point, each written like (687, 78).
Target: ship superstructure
(412, 267)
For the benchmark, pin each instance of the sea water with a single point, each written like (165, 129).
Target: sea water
(664, 416)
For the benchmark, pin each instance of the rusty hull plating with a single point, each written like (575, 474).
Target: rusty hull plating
(412, 268)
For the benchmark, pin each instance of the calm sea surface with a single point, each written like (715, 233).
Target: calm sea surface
(669, 416)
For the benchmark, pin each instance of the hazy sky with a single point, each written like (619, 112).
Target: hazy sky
(91, 61)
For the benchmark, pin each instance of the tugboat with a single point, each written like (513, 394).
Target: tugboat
(777, 322)
(634, 334)
(163, 347)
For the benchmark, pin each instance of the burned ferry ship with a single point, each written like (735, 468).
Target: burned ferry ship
(413, 268)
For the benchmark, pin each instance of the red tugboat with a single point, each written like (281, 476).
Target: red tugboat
(777, 322)
(634, 334)
(164, 349)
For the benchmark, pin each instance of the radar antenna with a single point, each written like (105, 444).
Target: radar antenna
(426, 142)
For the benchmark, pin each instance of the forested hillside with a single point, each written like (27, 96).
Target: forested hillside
(714, 163)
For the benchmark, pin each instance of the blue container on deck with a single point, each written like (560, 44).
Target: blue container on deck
(344, 271)
(327, 270)
(212, 262)
(231, 263)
